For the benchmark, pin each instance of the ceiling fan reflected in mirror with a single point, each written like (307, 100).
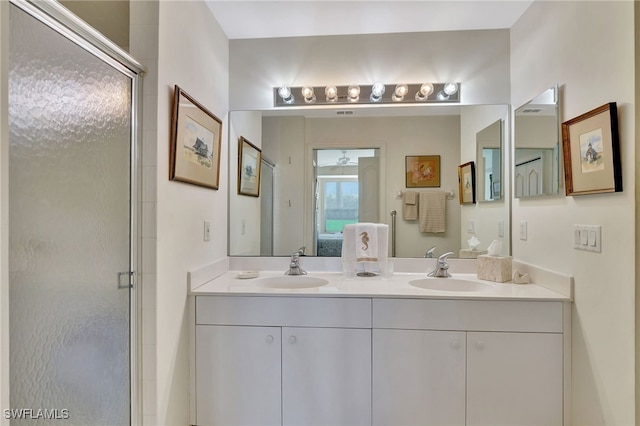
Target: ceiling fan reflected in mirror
(344, 160)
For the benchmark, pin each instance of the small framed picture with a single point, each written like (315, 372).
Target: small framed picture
(249, 161)
(467, 183)
(195, 142)
(422, 171)
(591, 148)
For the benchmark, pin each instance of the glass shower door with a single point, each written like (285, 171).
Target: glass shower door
(69, 224)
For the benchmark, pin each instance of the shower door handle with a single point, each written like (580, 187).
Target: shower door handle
(128, 283)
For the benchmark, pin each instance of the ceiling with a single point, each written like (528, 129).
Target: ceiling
(242, 19)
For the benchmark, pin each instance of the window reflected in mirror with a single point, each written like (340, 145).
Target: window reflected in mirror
(342, 177)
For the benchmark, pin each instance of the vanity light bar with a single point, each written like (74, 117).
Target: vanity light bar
(400, 93)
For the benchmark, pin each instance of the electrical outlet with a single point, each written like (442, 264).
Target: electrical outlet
(501, 228)
(207, 231)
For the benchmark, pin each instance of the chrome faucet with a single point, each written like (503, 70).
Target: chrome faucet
(429, 253)
(294, 263)
(442, 267)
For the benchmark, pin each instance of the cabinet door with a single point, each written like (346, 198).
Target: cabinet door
(418, 377)
(514, 379)
(326, 376)
(238, 375)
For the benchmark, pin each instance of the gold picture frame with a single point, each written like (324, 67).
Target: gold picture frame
(196, 136)
(591, 147)
(467, 183)
(422, 171)
(249, 168)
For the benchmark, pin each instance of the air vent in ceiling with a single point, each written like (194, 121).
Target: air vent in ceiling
(345, 112)
(531, 110)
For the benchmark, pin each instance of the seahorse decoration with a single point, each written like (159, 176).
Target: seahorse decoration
(364, 237)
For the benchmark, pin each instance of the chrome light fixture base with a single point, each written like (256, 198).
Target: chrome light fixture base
(415, 94)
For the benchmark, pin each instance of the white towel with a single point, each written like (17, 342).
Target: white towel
(410, 205)
(366, 242)
(432, 211)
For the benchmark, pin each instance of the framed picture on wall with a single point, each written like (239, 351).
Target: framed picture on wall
(422, 171)
(467, 183)
(249, 162)
(591, 146)
(195, 142)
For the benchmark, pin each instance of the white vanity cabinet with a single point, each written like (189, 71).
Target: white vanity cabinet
(282, 360)
(497, 363)
(238, 375)
(295, 361)
(514, 379)
(418, 377)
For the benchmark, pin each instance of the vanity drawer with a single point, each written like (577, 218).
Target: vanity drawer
(284, 311)
(490, 315)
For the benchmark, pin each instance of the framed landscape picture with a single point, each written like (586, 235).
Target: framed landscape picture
(591, 146)
(195, 142)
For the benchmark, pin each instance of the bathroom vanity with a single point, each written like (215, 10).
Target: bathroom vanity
(327, 350)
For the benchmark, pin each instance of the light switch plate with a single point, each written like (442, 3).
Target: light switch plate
(587, 238)
(523, 230)
(471, 226)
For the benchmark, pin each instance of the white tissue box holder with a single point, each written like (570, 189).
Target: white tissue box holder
(471, 254)
(494, 268)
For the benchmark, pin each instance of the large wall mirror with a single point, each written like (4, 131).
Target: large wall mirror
(324, 168)
(537, 147)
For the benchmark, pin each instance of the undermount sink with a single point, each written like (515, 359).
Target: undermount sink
(291, 282)
(450, 284)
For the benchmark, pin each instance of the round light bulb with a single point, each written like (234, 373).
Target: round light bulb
(425, 90)
(284, 92)
(400, 92)
(442, 96)
(353, 93)
(331, 92)
(450, 88)
(308, 95)
(377, 90)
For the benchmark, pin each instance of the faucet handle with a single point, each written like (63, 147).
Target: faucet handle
(301, 251)
(429, 253)
(443, 257)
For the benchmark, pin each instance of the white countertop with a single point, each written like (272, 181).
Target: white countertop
(396, 286)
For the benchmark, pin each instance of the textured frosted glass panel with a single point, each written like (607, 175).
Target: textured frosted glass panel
(69, 121)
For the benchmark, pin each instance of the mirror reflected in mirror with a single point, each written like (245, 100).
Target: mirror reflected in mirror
(537, 147)
(333, 167)
(489, 143)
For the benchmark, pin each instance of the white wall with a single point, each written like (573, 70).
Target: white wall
(4, 209)
(478, 59)
(586, 47)
(192, 53)
(245, 223)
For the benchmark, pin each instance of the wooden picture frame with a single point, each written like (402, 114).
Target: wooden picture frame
(467, 183)
(196, 135)
(591, 147)
(422, 171)
(249, 168)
